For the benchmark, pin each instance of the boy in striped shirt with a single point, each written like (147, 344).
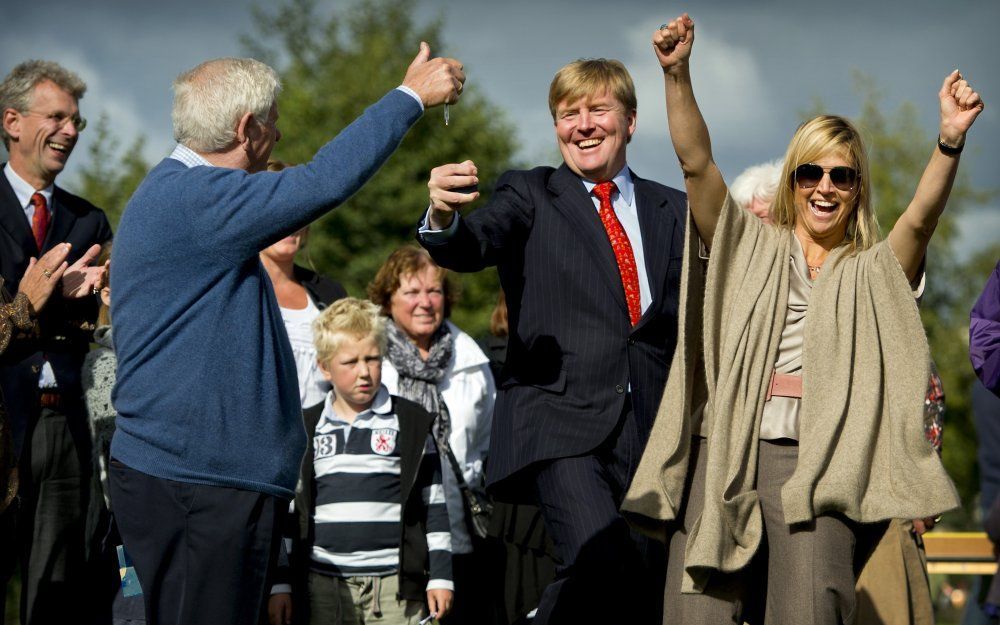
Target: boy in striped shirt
(372, 542)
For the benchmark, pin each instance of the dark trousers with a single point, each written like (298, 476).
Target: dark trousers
(606, 573)
(201, 552)
(57, 584)
(475, 602)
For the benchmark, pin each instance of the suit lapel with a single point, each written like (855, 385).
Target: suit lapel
(12, 218)
(62, 221)
(657, 223)
(571, 199)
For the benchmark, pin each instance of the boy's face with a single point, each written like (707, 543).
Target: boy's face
(355, 371)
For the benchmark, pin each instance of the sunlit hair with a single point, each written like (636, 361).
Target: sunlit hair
(18, 87)
(757, 182)
(498, 319)
(346, 320)
(816, 138)
(104, 312)
(407, 261)
(210, 99)
(588, 77)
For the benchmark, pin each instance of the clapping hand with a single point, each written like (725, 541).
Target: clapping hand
(960, 106)
(80, 279)
(672, 42)
(43, 274)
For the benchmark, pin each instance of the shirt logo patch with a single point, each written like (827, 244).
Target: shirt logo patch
(384, 441)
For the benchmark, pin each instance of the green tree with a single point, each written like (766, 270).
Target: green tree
(331, 69)
(109, 179)
(899, 147)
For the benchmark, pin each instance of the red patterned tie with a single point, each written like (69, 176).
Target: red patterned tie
(622, 248)
(40, 222)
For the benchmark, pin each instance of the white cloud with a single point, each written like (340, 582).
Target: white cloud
(728, 82)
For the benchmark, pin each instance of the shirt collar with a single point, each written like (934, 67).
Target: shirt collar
(23, 191)
(622, 180)
(381, 405)
(188, 156)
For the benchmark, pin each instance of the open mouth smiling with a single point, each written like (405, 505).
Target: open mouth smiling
(587, 144)
(822, 208)
(62, 148)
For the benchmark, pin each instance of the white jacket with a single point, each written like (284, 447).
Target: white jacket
(469, 391)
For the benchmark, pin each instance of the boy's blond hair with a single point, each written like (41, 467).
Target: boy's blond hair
(346, 320)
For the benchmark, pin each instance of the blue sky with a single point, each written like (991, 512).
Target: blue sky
(756, 65)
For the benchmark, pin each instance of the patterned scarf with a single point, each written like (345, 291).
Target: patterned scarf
(419, 378)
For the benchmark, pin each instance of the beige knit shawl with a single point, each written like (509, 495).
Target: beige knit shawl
(865, 368)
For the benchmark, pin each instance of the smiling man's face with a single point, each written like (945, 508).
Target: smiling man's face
(40, 144)
(593, 133)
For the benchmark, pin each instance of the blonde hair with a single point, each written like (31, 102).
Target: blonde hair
(586, 77)
(346, 320)
(812, 140)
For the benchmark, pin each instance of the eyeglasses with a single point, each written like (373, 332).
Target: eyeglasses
(61, 119)
(809, 175)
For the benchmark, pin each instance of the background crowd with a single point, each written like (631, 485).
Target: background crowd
(427, 359)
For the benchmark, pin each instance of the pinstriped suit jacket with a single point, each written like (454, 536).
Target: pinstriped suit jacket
(572, 352)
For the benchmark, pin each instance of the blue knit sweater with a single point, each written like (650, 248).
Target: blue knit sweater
(206, 388)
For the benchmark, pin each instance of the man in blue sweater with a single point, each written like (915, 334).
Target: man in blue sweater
(209, 428)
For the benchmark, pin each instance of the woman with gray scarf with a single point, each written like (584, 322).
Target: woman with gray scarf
(430, 361)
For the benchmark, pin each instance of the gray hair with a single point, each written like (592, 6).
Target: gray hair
(18, 87)
(758, 181)
(210, 99)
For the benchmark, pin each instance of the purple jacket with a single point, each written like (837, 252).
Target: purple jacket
(984, 334)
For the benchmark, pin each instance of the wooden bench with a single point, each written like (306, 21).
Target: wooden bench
(959, 553)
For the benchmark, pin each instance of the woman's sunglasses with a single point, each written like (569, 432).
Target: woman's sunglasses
(809, 175)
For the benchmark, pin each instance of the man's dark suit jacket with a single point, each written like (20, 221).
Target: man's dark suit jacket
(76, 221)
(573, 354)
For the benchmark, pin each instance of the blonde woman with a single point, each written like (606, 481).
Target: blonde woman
(796, 388)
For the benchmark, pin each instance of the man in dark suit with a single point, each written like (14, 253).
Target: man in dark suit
(589, 256)
(41, 124)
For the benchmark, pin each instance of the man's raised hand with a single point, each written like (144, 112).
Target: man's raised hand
(436, 81)
(445, 200)
(672, 42)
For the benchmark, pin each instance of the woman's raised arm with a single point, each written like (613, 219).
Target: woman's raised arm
(705, 187)
(960, 106)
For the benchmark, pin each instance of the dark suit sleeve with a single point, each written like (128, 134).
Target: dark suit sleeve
(489, 232)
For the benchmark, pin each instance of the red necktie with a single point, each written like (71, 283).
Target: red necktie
(40, 222)
(622, 248)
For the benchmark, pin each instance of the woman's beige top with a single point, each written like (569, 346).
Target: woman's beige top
(781, 414)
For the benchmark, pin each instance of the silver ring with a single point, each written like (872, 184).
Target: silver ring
(48, 274)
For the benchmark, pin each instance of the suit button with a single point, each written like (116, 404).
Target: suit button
(619, 389)
(631, 341)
